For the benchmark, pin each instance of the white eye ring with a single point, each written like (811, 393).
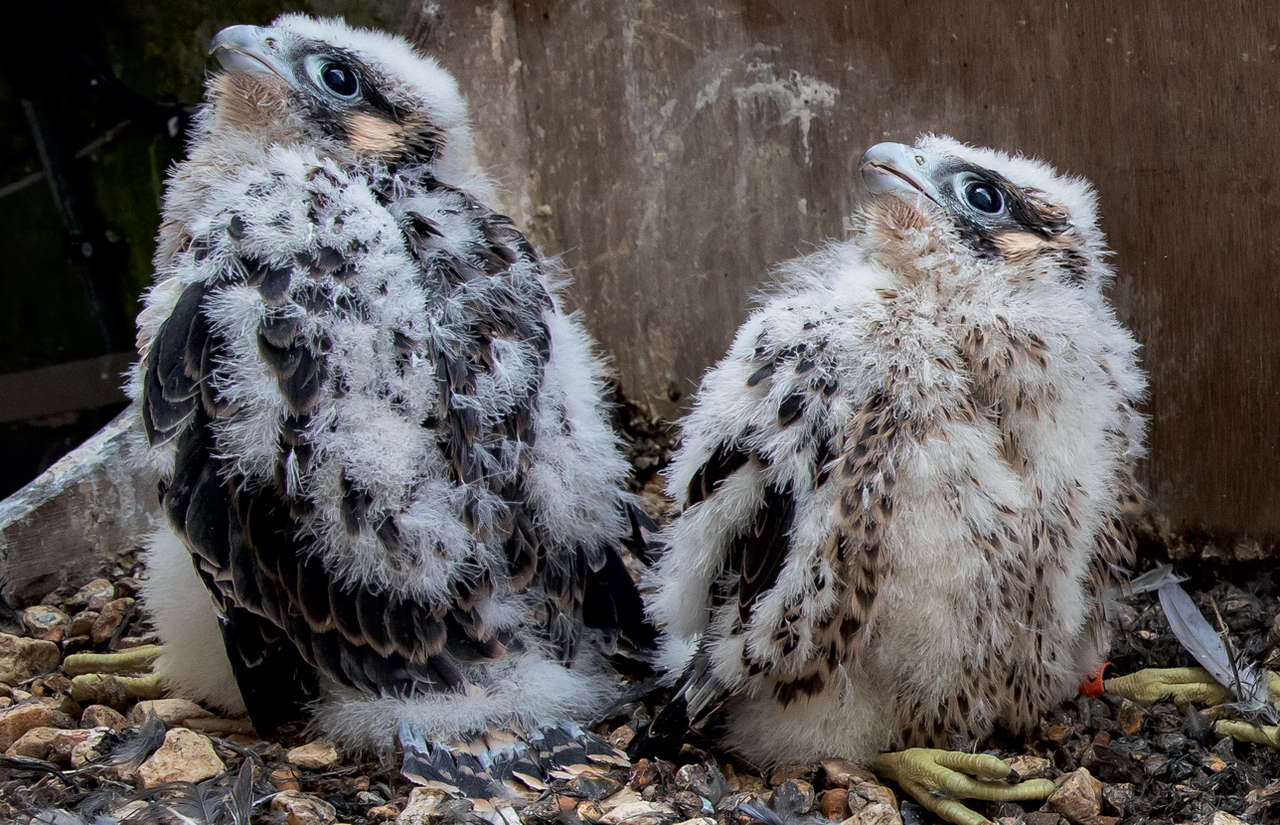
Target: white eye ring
(333, 76)
(979, 195)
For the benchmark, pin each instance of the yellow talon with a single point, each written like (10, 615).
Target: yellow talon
(935, 778)
(96, 676)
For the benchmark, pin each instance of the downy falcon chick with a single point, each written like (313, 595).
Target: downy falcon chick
(382, 441)
(905, 487)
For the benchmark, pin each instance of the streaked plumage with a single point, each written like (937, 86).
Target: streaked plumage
(382, 441)
(904, 488)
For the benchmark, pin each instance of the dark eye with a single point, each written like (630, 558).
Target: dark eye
(983, 197)
(339, 79)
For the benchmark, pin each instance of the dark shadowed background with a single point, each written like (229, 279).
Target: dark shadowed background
(672, 152)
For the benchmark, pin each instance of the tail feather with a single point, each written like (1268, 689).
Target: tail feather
(495, 765)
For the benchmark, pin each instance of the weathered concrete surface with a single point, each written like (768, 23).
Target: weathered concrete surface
(68, 522)
(672, 152)
(679, 150)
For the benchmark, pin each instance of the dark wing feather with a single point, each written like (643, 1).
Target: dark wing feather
(288, 618)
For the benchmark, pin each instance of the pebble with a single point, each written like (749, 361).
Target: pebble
(285, 778)
(782, 773)
(17, 720)
(91, 597)
(81, 624)
(1043, 818)
(52, 744)
(794, 796)
(185, 756)
(20, 658)
(303, 809)
(641, 813)
(171, 711)
(420, 808)
(877, 814)
(841, 773)
(1119, 797)
(109, 619)
(44, 622)
(865, 794)
(623, 797)
(1031, 767)
(319, 755)
(1078, 797)
(1223, 818)
(835, 803)
(621, 737)
(592, 786)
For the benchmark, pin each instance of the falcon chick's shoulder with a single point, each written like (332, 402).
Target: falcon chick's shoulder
(905, 487)
(382, 441)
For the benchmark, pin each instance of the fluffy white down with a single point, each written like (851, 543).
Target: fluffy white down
(922, 644)
(194, 662)
(575, 472)
(526, 693)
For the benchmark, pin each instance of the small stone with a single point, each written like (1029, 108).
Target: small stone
(112, 614)
(621, 737)
(750, 782)
(1078, 797)
(185, 756)
(127, 586)
(795, 796)
(52, 744)
(1031, 767)
(782, 773)
(644, 773)
(835, 803)
(81, 623)
(1222, 818)
(694, 778)
(44, 622)
(551, 807)
(589, 811)
(421, 807)
(20, 658)
(593, 786)
(91, 597)
(841, 773)
(383, 813)
(285, 778)
(864, 794)
(688, 803)
(626, 796)
(320, 755)
(1130, 717)
(171, 711)
(700, 820)
(641, 813)
(876, 814)
(17, 720)
(1117, 799)
(1056, 732)
(87, 751)
(1043, 818)
(303, 809)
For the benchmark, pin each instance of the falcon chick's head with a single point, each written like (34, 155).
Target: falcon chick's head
(303, 80)
(941, 196)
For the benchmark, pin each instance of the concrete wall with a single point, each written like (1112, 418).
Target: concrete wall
(675, 151)
(671, 152)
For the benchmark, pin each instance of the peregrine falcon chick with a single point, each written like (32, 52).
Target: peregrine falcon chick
(905, 488)
(382, 441)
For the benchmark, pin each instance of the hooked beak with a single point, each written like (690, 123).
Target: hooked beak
(897, 169)
(249, 49)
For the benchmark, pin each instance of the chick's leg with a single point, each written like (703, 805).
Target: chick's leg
(126, 672)
(938, 779)
(1194, 685)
